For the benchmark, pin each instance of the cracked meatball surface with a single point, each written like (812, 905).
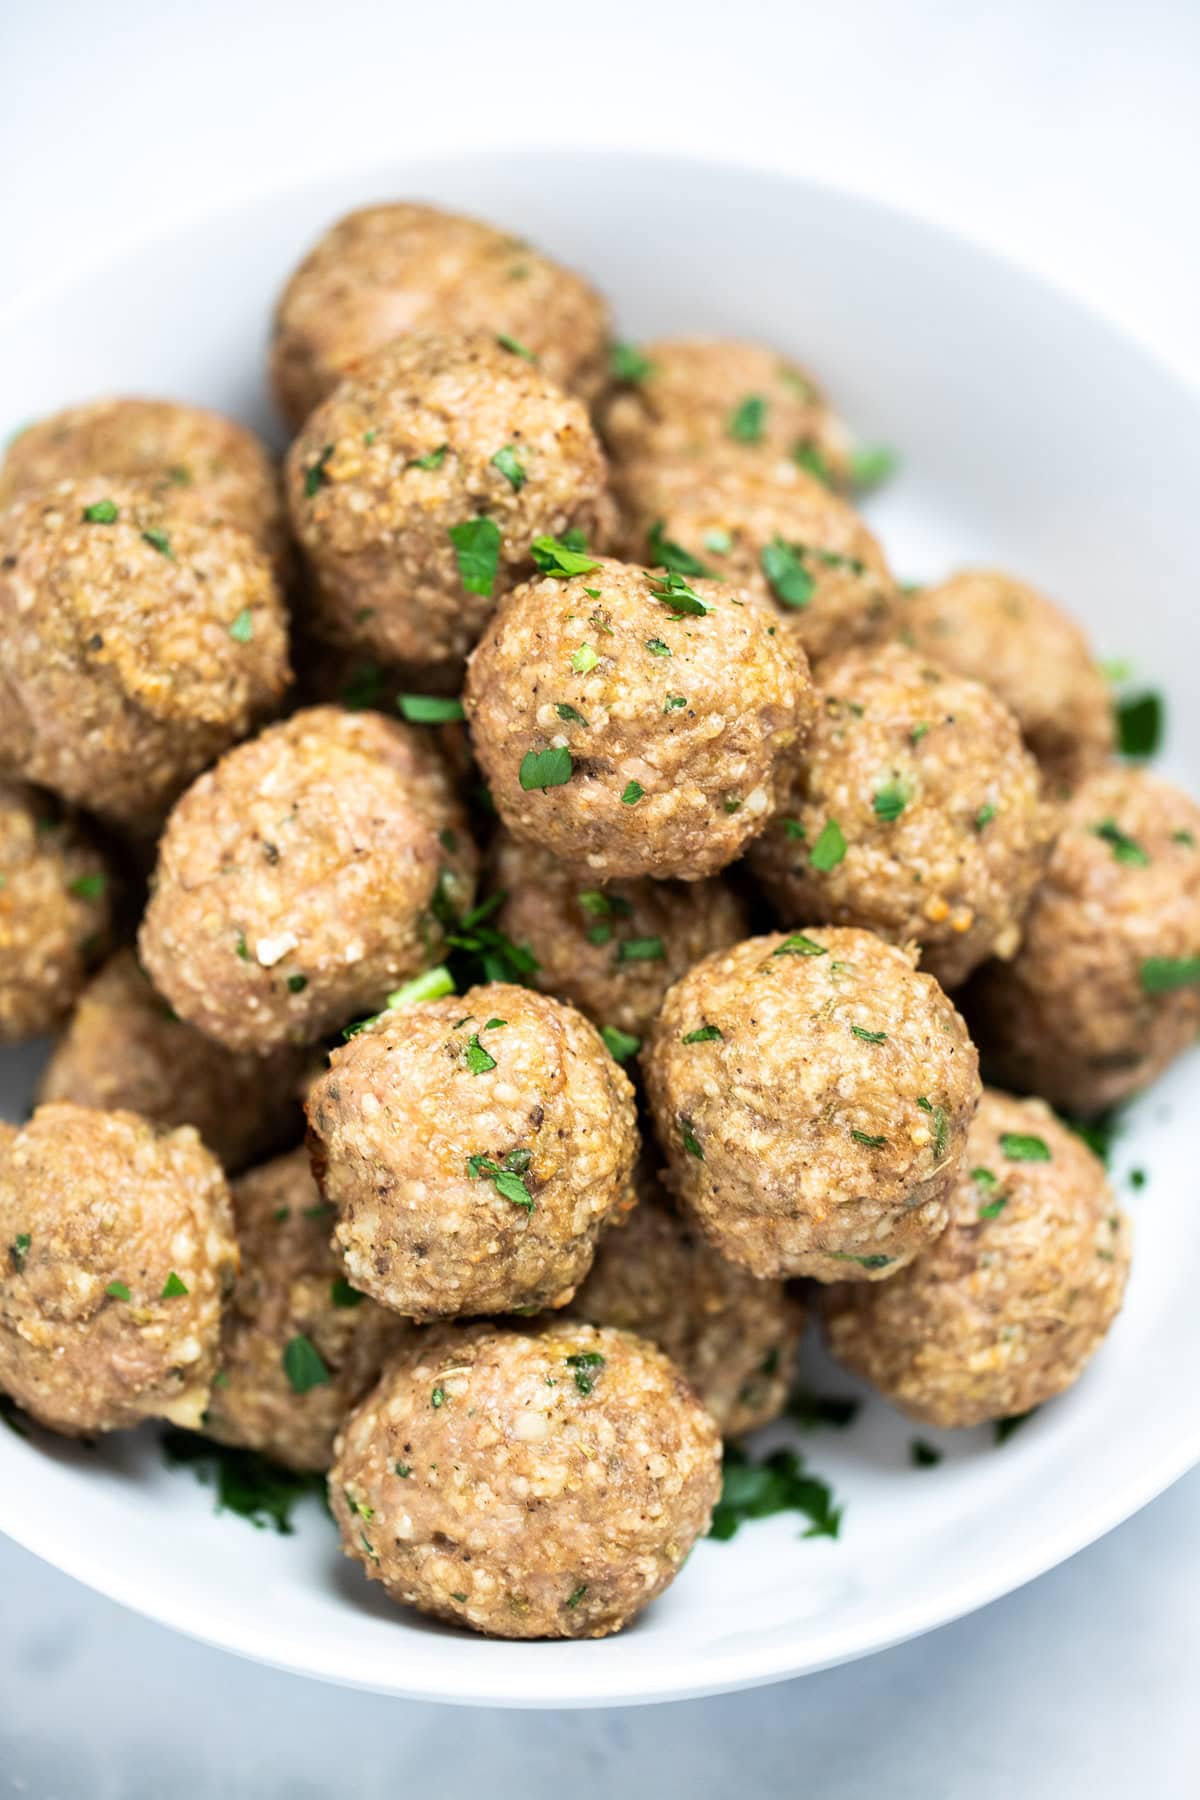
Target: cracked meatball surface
(527, 1484)
(1013, 1300)
(296, 881)
(473, 1148)
(915, 811)
(55, 911)
(812, 1093)
(635, 723)
(119, 1253)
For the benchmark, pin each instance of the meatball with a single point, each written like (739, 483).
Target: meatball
(916, 812)
(385, 271)
(542, 1484)
(1014, 1299)
(812, 1095)
(986, 625)
(304, 876)
(209, 469)
(55, 911)
(611, 951)
(119, 1251)
(473, 1148)
(299, 1345)
(138, 644)
(691, 397)
(124, 1049)
(418, 487)
(733, 1336)
(1105, 990)
(633, 723)
(768, 526)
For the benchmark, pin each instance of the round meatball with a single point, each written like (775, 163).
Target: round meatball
(1011, 1303)
(209, 469)
(119, 1254)
(635, 723)
(124, 1049)
(768, 526)
(385, 271)
(689, 397)
(1105, 991)
(812, 1094)
(304, 876)
(611, 951)
(473, 1148)
(138, 644)
(916, 812)
(299, 1345)
(733, 1336)
(1005, 634)
(418, 487)
(541, 1484)
(55, 911)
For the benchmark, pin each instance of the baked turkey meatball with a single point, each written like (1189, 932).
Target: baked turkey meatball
(138, 644)
(299, 1345)
(1013, 1300)
(733, 1336)
(1105, 990)
(55, 911)
(633, 722)
(997, 630)
(769, 526)
(473, 1147)
(385, 271)
(298, 880)
(211, 470)
(612, 951)
(812, 1094)
(418, 487)
(527, 1484)
(124, 1049)
(916, 811)
(118, 1252)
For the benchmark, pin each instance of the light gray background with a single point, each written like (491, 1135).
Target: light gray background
(1065, 133)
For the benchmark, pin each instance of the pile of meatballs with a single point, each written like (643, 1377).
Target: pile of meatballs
(572, 664)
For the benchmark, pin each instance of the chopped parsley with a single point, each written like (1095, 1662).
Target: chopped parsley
(101, 512)
(778, 1484)
(545, 768)
(747, 420)
(941, 1125)
(569, 714)
(574, 1598)
(1140, 719)
(645, 949)
(626, 363)
(1166, 974)
(247, 1483)
(1021, 1146)
(18, 1250)
(691, 1142)
(433, 459)
(363, 687)
(173, 1287)
(1184, 837)
(559, 557)
(984, 816)
(703, 1034)
(793, 829)
(890, 801)
(583, 660)
(477, 1059)
(508, 1180)
(480, 953)
(870, 1139)
(789, 580)
(864, 1262)
(513, 471)
(515, 347)
(829, 848)
(923, 1455)
(158, 540)
(674, 702)
(621, 1045)
(429, 709)
(315, 476)
(868, 1037)
(918, 731)
(88, 887)
(437, 1398)
(672, 591)
(117, 1290)
(811, 458)
(656, 647)
(1125, 849)
(342, 1294)
(242, 629)
(583, 1363)
(799, 945)
(870, 465)
(634, 791)
(302, 1364)
(718, 541)
(477, 550)
(296, 984)
(811, 1411)
(663, 552)
(241, 947)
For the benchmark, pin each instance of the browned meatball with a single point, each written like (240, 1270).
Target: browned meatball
(691, 397)
(296, 881)
(211, 470)
(634, 723)
(1105, 991)
(124, 1049)
(119, 1251)
(55, 911)
(473, 1148)
(916, 811)
(418, 487)
(138, 644)
(528, 1485)
(611, 951)
(812, 1094)
(734, 1337)
(997, 630)
(299, 1345)
(769, 526)
(1014, 1299)
(384, 271)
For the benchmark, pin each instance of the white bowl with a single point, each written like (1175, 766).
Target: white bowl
(1031, 434)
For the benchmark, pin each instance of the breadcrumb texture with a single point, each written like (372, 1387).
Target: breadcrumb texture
(88, 1199)
(1012, 1302)
(55, 911)
(405, 1107)
(528, 1485)
(812, 1093)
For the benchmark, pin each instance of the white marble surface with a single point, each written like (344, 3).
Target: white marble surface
(1065, 133)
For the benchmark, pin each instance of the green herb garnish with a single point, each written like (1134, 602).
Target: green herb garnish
(429, 709)
(513, 471)
(1021, 1146)
(747, 420)
(787, 577)
(545, 768)
(477, 550)
(634, 791)
(508, 1180)
(626, 363)
(101, 512)
(890, 801)
(704, 1034)
(1125, 849)
(302, 1364)
(173, 1287)
(829, 848)
(559, 557)
(778, 1484)
(621, 1045)
(315, 476)
(663, 552)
